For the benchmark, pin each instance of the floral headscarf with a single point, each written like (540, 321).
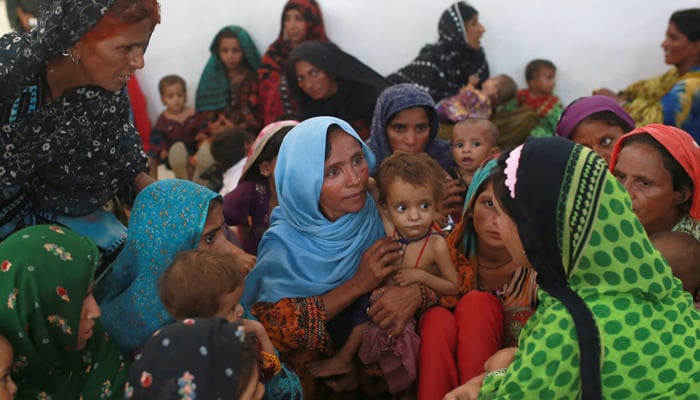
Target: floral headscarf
(45, 273)
(168, 217)
(192, 359)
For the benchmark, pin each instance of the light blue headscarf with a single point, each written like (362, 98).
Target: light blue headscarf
(304, 254)
(468, 242)
(168, 217)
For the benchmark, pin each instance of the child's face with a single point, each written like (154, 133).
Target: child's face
(544, 81)
(470, 147)
(411, 209)
(174, 97)
(7, 386)
(230, 305)
(490, 89)
(230, 53)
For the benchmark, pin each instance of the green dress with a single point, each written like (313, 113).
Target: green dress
(612, 322)
(45, 273)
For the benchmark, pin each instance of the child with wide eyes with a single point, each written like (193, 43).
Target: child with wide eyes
(204, 284)
(410, 188)
(8, 389)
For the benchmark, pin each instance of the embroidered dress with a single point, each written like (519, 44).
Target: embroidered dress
(70, 156)
(548, 108)
(612, 322)
(46, 272)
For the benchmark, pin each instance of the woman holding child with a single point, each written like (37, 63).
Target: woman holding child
(612, 321)
(324, 250)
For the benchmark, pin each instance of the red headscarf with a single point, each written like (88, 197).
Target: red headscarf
(682, 147)
(277, 100)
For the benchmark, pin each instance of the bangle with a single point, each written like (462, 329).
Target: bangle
(270, 363)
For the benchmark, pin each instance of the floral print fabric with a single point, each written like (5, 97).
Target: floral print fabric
(45, 273)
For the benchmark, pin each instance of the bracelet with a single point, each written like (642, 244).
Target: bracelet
(270, 363)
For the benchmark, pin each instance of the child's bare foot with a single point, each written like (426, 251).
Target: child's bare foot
(330, 367)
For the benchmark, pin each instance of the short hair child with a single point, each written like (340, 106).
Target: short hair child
(170, 80)
(473, 141)
(534, 67)
(204, 284)
(408, 217)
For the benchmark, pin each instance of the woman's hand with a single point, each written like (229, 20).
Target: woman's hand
(452, 200)
(468, 391)
(396, 306)
(377, 263)
(243, 259)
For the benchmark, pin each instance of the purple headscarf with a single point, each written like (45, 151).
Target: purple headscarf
(583, 108)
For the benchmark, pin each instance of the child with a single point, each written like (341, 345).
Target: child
(228, 149)
(540, 76)
(8, 389)
(173, 138)
(202, 284)
(473, 103)
(682, 252)
(410, 189)
(249, 205)
(473, 140)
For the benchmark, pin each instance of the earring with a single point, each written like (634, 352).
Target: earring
(68, 53)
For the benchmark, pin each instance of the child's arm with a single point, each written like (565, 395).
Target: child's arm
(258, 330)
(445, 284)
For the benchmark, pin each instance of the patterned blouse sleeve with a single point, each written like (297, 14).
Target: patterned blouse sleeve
(295, 324)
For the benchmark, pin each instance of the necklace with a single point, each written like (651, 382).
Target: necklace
(495, 266)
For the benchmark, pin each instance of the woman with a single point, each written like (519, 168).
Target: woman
(51, 318)
(499, 296)
(674, 97)
(249, 205)
(208, 359)
(612, 321)
(323, 250)
(65, 115)
(596, 122)
(328, 81)
(168, 217)
(444, 67)
(301, 21)
(659, 166)
(229, 84)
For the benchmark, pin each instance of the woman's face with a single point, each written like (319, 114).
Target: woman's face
(255, 390)
(484, 218)
(213, 236)
(314, 81)
(409, 130)
(8, 389)
(474, 31)
(110, 63)
(89, 313)
(294, 27)
(345, 176)
(641, 170)
(509, 232)
(230, 53)
(678, 50)
(598, 136)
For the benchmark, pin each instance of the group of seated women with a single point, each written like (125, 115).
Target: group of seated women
(565, 249)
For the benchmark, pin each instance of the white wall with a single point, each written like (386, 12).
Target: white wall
(593, 42)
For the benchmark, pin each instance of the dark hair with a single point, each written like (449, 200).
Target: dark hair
(192, 286)
(609, 118)
(228, 146)
(332, 128)
(269, 152)
(417, 169)
(507, 88)
(680, 179)
(170, 80)
(688, 22)
(466, 11)
(123, 13)
(228, 34)
(535, 66)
